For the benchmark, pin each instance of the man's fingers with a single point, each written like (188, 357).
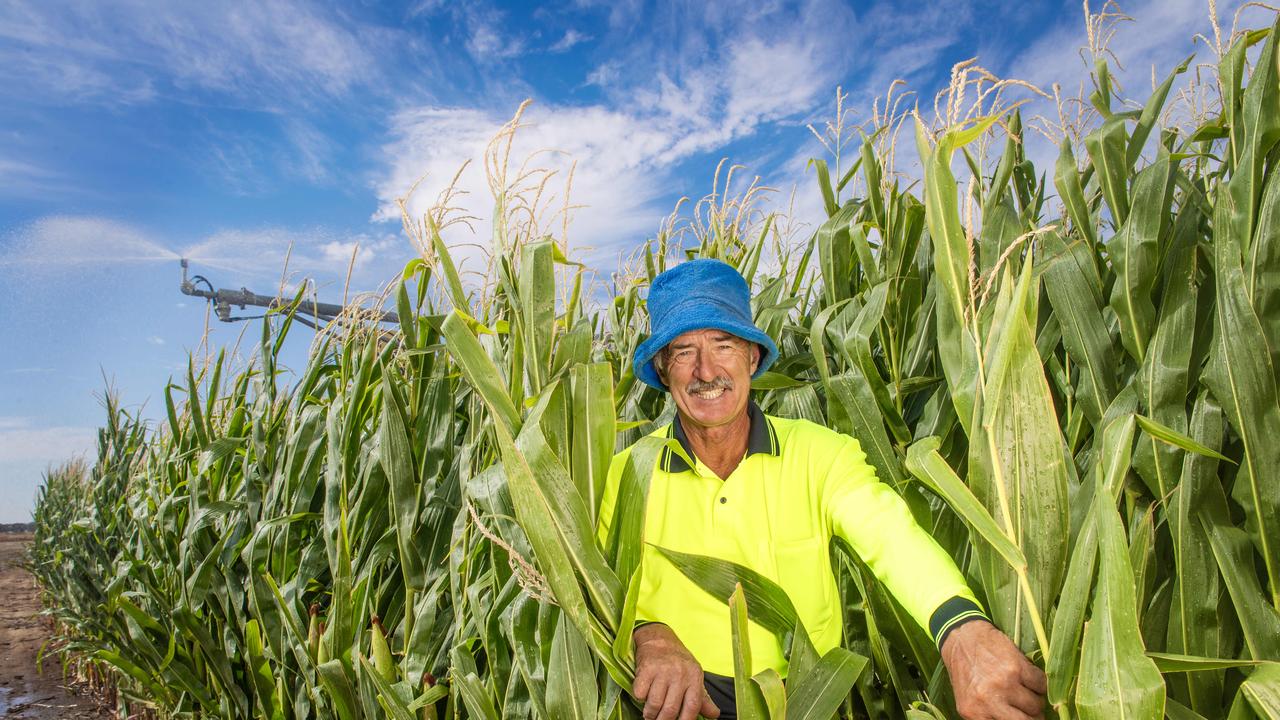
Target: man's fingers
(640, 688)
(691, 702)
(1035, 679)
(671, 706)
(709, 708)
(1009, 712)
(1026, 701)
(657, 696)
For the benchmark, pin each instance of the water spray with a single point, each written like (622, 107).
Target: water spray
(224, 299)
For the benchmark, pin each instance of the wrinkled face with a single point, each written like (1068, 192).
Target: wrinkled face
(709, 375)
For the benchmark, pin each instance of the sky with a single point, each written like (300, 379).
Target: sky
(133, 133)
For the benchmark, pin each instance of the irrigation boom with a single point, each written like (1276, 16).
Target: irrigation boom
(224, 299)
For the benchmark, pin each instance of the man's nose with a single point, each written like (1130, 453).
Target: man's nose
(705, 367)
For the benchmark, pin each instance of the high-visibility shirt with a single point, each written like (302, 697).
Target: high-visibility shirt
(798, 485)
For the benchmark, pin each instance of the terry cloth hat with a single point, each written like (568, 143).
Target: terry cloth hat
(694, 295)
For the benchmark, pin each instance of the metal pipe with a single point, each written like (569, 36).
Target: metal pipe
(225, 298)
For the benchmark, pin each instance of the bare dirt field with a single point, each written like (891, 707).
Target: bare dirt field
(25, 693)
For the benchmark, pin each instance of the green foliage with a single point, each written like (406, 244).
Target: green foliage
(1082, 406)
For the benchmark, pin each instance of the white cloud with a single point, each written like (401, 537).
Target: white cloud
(338, 253)
(237, 255)
(156, 340)
(665, 106)
(616, 176)
(21, 442)
(622, 13)
(487, 42)
(1161, 34)
(263, 252)
(604, 75)
(309, 151)
(571, 38)
(132, 50)
(26, 180)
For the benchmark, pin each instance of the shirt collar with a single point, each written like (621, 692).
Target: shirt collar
(761, 438)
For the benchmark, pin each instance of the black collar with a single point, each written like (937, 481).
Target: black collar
(762, 438)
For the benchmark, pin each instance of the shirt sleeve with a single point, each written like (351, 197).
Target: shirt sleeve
(878, 525)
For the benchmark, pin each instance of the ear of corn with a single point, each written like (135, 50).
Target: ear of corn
(1080, 404)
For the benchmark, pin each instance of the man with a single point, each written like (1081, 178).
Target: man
(769, 493)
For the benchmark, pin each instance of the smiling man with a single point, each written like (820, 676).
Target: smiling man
(770, 493)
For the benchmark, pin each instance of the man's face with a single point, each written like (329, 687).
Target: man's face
(709, 375)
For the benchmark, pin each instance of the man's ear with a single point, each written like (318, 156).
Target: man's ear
(755, 357)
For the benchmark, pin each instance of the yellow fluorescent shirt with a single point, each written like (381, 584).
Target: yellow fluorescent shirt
(799, 485)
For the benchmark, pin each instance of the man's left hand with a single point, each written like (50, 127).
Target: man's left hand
(991, 677)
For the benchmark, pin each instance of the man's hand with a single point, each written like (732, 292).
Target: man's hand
(991, 677)
(668, 679)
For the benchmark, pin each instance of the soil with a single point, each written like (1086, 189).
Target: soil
(25, 692)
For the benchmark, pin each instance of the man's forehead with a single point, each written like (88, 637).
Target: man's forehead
(694, 336)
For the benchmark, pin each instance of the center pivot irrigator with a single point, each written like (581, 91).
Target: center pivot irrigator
(224, 299)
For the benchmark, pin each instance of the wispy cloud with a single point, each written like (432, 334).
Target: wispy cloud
(604, 74)
(569, 40)
(488, 41)
(244, 255)
(26, 180)
(681, 101)
(20, 441)
(310, 151)
(1141, 53)
(262, 253)
(132, 51)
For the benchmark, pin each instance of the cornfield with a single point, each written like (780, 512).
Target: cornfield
(1077, 396)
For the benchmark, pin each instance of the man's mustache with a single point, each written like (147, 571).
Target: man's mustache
(719, 383)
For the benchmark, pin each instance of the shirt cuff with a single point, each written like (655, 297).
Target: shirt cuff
(952, 614)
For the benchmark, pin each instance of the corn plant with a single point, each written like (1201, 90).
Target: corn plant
(1076, 394)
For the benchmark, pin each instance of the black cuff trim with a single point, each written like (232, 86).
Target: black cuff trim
(951, 615)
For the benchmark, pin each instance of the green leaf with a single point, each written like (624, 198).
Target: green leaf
(747, 695)
(1075, 291)
(767, 604)
(770, 380)
(1173, 663)
(1107, 149)
(927, 465)
(571, 676)
(1018, 470)
(1117, 680)
(1062, 666)
(818, 694)
(1175, 438)
(1135, 254)
(480, 371)
(1262, 689)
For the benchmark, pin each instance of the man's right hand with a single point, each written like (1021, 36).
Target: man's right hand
(668, 679)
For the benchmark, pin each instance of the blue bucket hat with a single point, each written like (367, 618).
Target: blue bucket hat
(695, 295)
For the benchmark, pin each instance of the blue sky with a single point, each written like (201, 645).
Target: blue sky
(135, 132)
